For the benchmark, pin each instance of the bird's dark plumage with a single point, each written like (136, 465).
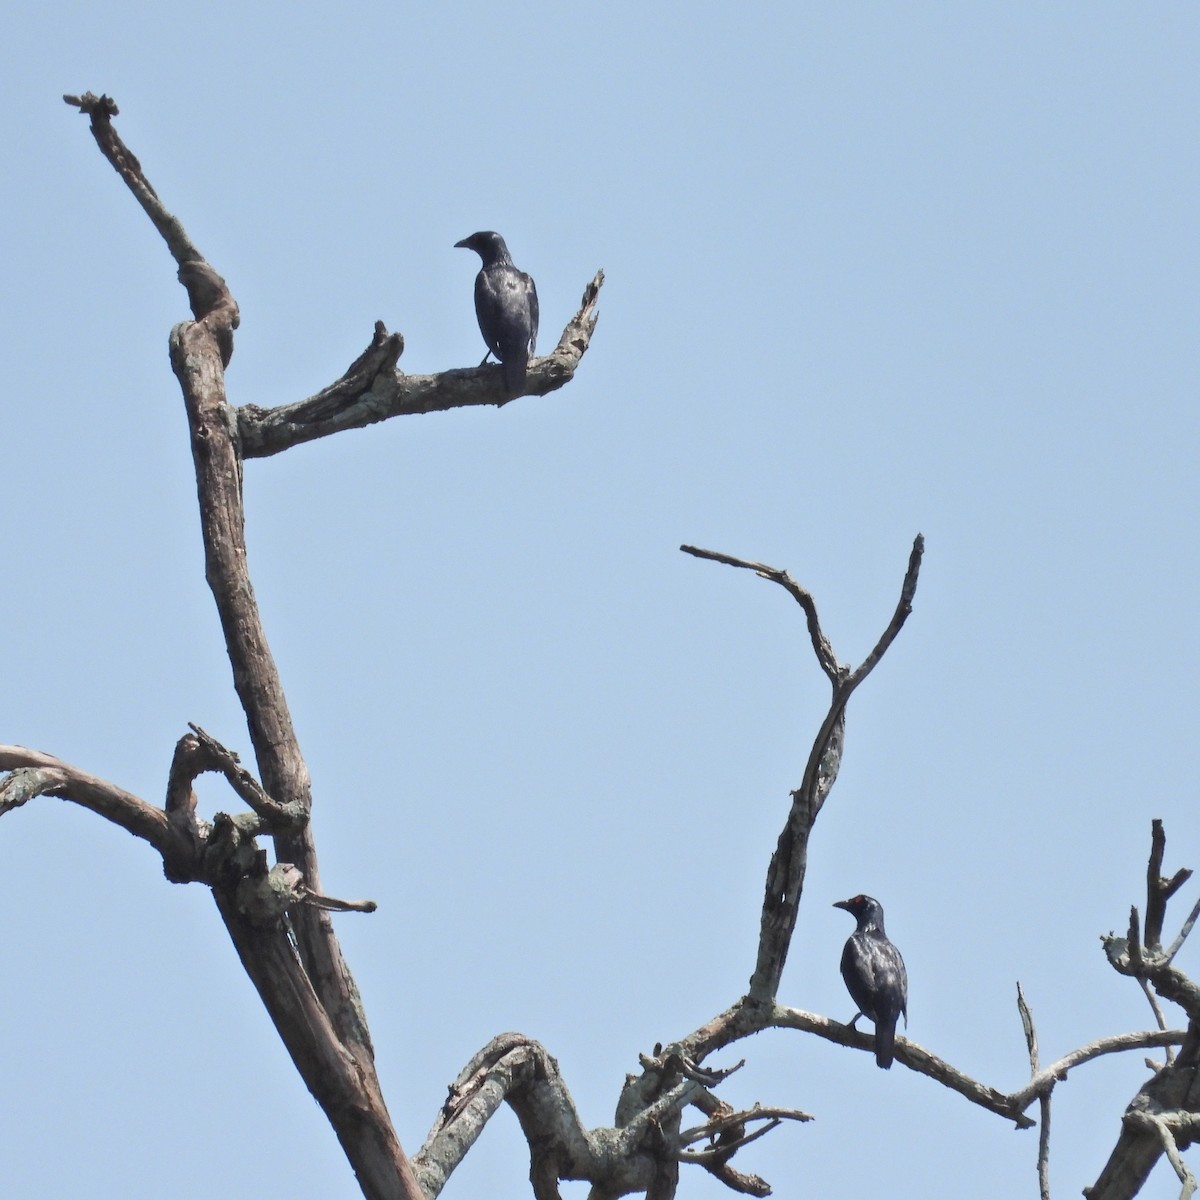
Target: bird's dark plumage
(874, 973)
(506, 304)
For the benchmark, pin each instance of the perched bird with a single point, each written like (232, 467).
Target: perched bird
(506, 304)
(874, 973)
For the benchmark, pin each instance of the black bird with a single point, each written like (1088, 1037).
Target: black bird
(506, 304)
(874, 973)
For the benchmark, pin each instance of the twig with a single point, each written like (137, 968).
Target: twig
(331, 905)
(710, 1129)
(1177, 944)
(820, 643)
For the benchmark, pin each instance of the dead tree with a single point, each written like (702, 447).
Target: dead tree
(278, 916)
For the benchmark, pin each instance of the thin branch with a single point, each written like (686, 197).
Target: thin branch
(675, 1063)
(1156, 1009)
(1043, 1158)
(908, 591)
(1188, 925)
(736, 1120)
(820, 643)
(1113, 1044)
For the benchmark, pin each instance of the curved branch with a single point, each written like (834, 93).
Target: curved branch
(1115, 1043)
(820, 643)
(37, 774)
(516, 1069)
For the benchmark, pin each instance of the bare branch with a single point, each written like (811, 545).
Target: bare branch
(39, 774)
(276, 817)
(1167, 1136)
(1043, 1158)
(373, 390)
(736, 1121)
(1133, 940)
(903, 611)
(1027, 1026)
(1188, 925)
(101, 110)
(1159, 889)
(820, 643)
(286, 943)
(1156, 901)
(786, 871)
(1113, 1044)
(1156, 1009)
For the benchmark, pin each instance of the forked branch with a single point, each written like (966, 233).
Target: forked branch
(785, 875)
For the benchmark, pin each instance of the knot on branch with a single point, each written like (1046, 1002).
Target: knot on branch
(211, 302)
(23, 784)
(265, 898)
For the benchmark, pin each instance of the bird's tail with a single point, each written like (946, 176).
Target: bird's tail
(885, 1043)
(516, 364)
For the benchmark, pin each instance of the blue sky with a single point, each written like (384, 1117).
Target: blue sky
(871, 270)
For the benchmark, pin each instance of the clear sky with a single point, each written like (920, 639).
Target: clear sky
(873, 269)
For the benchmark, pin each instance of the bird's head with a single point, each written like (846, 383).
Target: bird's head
(488, 244)
(866, 910)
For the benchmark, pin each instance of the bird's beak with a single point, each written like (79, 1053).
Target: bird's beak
(462, 245)
(842, 904)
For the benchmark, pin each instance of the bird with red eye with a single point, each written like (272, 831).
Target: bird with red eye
(875, 975)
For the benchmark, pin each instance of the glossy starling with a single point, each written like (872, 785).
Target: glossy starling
(874, 973)
(506, 304)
